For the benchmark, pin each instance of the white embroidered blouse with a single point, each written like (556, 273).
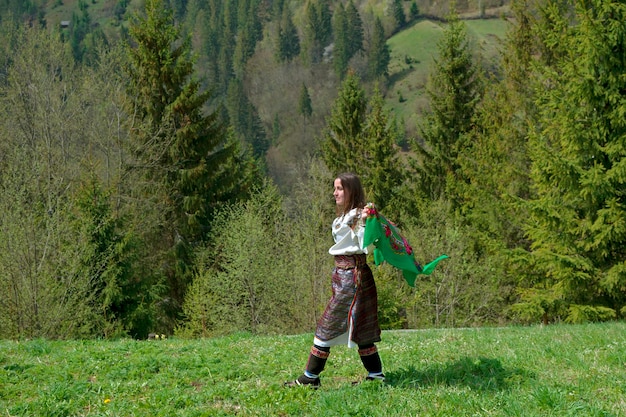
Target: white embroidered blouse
(348, 241)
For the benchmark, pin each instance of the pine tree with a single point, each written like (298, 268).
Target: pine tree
(398, 14)
(324, 22)
(288, 43)
(245, 120)
(341, 36)
(79, 29)
(354, 30)
(414, 11)
(304, 104)
(249, 31)
(317, 30)
(185, 156)
(379, 55)
(578, 158)
(454, 90)
(382, 174)
(495, 166)
(361, 140)
(343, 147)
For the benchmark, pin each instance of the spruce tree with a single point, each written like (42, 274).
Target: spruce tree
(578, 154)
(379, 55)
(453, 90)
(184, 156)
(361, 139)
(288, 43)
(382, 174)
(317, 30)
(305, 107)
(496, 161)
(324, 22)
(414, 11)
(245, 120)
(398, 14)
(343, 147)
(311, 49)
(354, 30)
(341, 45)
(495, 165)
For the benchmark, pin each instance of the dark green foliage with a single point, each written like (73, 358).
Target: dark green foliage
(275, 129)
(348, 36)
(225, 37)
(85, 37)
(382, 173)
(454, 91)
(398, 13)
(288, 43)
(361, 140)
(354, 32)
(184, 156)
(343, 146)
(249, 31)
(317, 30)
(496, 160)
(21, 10)
(245, 120)
(79, 28)
(305, 107)
(120, 9)
(414, 11)
(341, 37)
(179, 7)
(578, 155)
(378, 54)
(108, 258)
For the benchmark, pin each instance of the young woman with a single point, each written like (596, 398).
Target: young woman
(351, 316)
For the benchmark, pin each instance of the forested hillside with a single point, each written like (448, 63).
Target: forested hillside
(166, 165)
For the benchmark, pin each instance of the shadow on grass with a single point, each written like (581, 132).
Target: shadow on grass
(400, 75)
(479, 374)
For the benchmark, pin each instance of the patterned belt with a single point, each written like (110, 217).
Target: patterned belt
(350, 261)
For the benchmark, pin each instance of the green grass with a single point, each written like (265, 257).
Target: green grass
(413, 51)
(558, 370)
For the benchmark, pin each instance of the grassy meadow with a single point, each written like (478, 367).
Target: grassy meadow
(413, 51)
(558, 370)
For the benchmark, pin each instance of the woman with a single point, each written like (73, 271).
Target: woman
(351, 316)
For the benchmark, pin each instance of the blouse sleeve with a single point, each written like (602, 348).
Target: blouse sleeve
(358, 233)
(348, 233)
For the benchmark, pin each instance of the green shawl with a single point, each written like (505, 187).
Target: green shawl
(392, 247)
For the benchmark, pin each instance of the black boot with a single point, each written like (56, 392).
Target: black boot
(314, 366)
(372, 363)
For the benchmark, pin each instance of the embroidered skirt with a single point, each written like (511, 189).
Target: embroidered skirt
(352, 312)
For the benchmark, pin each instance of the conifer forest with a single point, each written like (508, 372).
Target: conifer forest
(166, 166)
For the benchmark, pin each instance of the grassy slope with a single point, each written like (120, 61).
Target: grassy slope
(557, 370)
(413, 51)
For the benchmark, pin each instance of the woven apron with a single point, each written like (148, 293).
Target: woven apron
(353, 307)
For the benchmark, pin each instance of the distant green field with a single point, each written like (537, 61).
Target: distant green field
(557, 370)
(413, 51)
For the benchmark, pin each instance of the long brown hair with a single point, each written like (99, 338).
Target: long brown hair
(353, 190)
